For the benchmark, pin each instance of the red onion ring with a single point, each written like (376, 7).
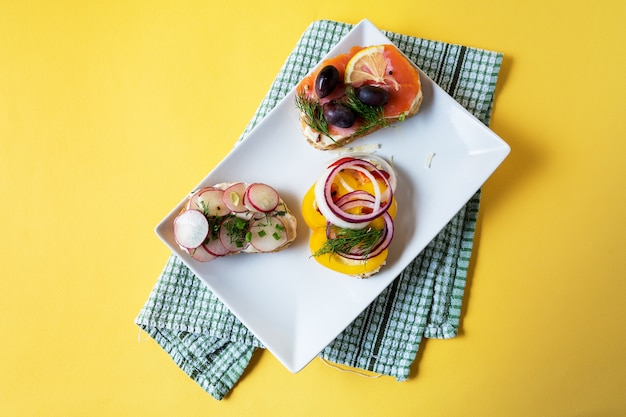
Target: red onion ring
(333, 212)
(381, 244)
(379, 162)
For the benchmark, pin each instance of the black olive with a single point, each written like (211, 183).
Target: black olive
(372, 95)
(326, 81)
(339, 115)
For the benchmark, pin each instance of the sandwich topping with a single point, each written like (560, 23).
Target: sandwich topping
(350, 211)
(232, 218)
(356, 93)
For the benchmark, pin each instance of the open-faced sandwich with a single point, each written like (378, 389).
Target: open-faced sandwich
(231, 218)
(354, 94)
(350, 210)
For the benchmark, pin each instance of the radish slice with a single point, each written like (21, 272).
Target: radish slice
(268, 234)
(210, 201)
(233, 197)
(200, 254)
(190, 228)
(261, 197)
(233, 234)
(216, 247)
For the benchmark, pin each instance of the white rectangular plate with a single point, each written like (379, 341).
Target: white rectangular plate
(294, 306)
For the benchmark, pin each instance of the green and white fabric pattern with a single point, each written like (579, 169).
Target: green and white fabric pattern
(210, 344)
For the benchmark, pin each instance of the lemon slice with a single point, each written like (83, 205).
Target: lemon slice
(369, 66)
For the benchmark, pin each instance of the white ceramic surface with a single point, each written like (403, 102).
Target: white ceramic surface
(294, 306)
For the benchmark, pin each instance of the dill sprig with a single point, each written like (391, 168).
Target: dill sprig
(350, 240)
(372, 116)
(313, 114)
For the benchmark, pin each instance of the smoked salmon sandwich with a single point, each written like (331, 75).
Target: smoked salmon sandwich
(353, 94)
(231, 218)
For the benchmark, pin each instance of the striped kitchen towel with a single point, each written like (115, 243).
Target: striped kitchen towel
(210, 344)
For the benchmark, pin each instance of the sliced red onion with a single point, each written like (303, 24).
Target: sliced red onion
(322, 206)
(381, 162)
(355, 195)
(345, 184)
(360, 220)
(371, 166)
(383, 242)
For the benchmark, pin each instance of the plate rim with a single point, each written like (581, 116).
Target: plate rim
(295, 365)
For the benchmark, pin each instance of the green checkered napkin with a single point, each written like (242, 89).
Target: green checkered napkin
(210, 344)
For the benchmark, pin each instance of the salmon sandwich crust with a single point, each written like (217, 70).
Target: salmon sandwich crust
(354, 94)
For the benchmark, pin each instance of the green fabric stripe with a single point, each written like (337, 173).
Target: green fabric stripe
(457, 71)
(215, 364)
(389, 302)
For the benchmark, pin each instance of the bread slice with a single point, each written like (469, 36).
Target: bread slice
(405, 99)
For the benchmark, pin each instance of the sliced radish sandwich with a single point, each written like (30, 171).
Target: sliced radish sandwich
(231, 218)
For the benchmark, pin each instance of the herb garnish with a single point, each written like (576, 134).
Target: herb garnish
(214, 223)
(313, 114)
(236, 230)
(350, 240)
(372, 116)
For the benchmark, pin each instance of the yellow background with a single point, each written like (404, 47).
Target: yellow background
(109, 110)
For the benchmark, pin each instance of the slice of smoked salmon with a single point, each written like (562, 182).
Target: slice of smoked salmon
(403, 91)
